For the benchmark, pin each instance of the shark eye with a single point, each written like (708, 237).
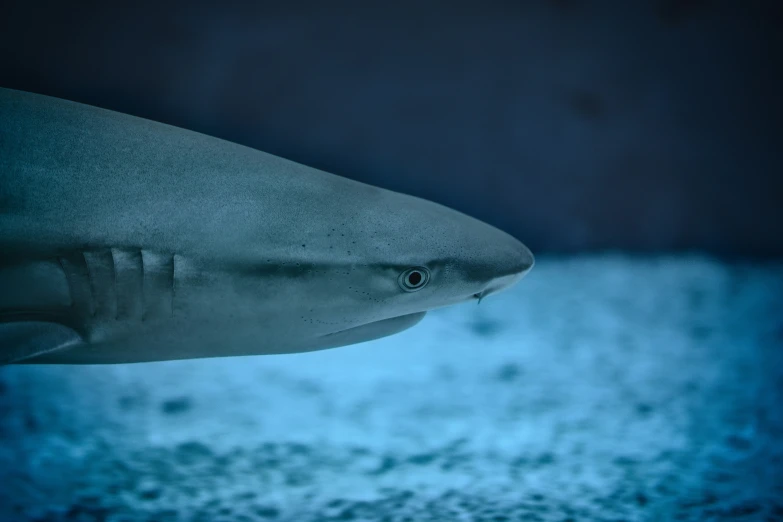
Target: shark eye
(414, 279)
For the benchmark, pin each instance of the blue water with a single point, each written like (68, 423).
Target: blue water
(599, 388)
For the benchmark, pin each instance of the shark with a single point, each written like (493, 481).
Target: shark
(125, 240)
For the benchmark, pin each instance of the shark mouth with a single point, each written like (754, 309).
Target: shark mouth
(373, 330)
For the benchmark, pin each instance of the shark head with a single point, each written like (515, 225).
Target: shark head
(388, 258)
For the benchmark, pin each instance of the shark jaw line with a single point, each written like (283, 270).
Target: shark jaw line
(375, 329)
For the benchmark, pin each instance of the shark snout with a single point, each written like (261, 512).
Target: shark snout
(510, 266)
(520, 259)
(525, 259)
(513, 259)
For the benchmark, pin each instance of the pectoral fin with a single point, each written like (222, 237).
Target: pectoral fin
(21, 341)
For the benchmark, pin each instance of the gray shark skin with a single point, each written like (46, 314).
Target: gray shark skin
(127, 240)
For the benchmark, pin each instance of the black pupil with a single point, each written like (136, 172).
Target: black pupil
(414, 278)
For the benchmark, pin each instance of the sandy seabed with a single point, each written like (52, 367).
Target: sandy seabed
(599, 388)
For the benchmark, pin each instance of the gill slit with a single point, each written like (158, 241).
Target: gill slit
(114, 283)
(92, 302)
(143, 287)
(69, 280)
(173, 280)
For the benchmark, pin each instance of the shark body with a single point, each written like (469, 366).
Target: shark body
(127, 240)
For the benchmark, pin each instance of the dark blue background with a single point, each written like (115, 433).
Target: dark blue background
(575, 125)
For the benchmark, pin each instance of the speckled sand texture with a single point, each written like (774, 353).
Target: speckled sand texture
(599, 388)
